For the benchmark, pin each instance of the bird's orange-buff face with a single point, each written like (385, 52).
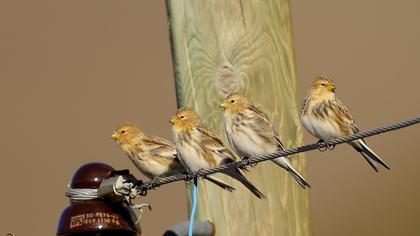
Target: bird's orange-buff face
(184, 118)
(233, 103)
(322, 86)
(125, 133)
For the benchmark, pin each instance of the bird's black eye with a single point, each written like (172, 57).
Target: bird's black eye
(323, 84)
(123, 132)
(232, 101)
(182, 117)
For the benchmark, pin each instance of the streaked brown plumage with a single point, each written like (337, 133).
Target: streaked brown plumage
(153, 156)
(251, 133)
(325, 117)
(200, 148)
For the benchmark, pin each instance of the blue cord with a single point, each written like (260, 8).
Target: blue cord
(194, 208)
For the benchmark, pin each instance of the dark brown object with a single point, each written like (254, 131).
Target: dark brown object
(94, 217)
(91, 175)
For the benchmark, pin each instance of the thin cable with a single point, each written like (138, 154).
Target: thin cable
(254, 160)
(81, 194)
(194, 208)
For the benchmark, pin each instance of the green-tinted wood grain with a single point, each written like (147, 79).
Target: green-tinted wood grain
(223, 46)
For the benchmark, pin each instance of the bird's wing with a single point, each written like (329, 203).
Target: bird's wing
(225, 153)
(159, 147)
(345, 114)
(259, 113)
(264, 127)
(212, 142)
(305, 103)
(208, 137)
(261, 124)
(279, 143)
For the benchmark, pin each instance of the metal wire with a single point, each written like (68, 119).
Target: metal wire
(81, 194)
(254, 160)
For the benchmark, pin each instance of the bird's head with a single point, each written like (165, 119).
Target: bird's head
(125, 133)
(322, 86)
(234, 102)
(184, 118)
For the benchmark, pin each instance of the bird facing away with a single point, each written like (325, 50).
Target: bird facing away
(251, 133)
(324, 116)
(153, 156)
(201, 148)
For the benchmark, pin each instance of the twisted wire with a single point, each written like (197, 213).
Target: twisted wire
(254, 160)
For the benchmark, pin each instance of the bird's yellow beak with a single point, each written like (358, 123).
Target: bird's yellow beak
(223, 105)
(173, 120)
(331, 87)
(115, 136)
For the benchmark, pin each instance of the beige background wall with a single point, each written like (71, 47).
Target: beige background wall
(71, 70)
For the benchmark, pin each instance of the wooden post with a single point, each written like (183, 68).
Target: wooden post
(223, 46)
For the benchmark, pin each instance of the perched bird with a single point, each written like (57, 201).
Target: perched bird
(251, 133)
(200, 148)
(325, 117)
(153, 156)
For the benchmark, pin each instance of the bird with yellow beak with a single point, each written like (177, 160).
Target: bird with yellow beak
(251, 133)
(200, 148)
(324, 116)
(153, 156)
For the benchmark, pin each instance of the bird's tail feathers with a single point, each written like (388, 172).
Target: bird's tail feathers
(220, 183)
(236, 174)
(303, 183)
(369, 155)
(369, 160)
(285, 164)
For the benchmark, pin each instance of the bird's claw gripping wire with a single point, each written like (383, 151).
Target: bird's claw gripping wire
(322, 147)
(153, 183)
(246, 161)
(330, 146)
(192, 175)
(189, 176)
(325, 145)
(198, 174)
(150, 185)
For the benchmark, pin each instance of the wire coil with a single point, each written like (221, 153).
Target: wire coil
(81, 194)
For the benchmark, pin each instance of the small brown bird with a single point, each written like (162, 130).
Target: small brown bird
(324, 116)
(200, 148)
(153, 156)
(251, 133)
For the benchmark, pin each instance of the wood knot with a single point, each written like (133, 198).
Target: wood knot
(228, 81)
